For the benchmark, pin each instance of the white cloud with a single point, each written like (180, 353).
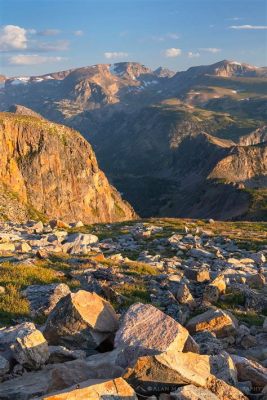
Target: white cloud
(78, 33)
(59, 45)
(172, 52)
(193, 55)
(163, 38)
(172, 36)
(235, 18)
(12, 37)
(213, 50)
(33, 59)
(115, 54)
(32, 31)
(49, 32)
(249, 27)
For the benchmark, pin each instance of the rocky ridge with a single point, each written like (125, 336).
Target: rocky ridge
(145, 116)
(50, 169)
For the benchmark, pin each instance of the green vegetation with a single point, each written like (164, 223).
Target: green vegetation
(133, 293)
(138, 268)
(249, 317)
(231, 301)
(12, 305)
(258, 204)
(15, 277)
(26, 274)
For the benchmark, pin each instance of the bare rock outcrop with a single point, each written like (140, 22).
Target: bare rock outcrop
(81, 320)
(53, 170)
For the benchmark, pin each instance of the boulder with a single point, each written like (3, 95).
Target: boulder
(165, 371)
(108, 364)
(2, 290)
(57, 223)
(200, 253)
(211, 294)
(256, 281)
(51, 378)
(192, 392)
(7, 247)
(198, 275)
(208, 343)
(43, 298)
(222, 323)
(77, 243)
(23, 247)
(184, 295)
(30, 349)
(224, 391)
(60, 354)
(223, 367)
(24, 343)
(145, 330)
(213, 291)
(4, 366)
(248, 370)
(81, 320)
(96, 390)
(191, 346)
(63, 375)
(37, 227)
(259, 257)
(8, 335)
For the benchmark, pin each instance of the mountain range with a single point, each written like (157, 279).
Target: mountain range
(191, 143)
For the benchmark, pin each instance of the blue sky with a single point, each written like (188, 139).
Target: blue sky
(40, 36)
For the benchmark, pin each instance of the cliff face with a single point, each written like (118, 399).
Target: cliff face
(54, 169)
(243, 164)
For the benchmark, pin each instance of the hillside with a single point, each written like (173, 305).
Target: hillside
(52, 170)
(165, 136)
(174, 155)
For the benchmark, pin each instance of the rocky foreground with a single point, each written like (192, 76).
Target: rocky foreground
(159, 309)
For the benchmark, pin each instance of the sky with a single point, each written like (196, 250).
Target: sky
(42, 36)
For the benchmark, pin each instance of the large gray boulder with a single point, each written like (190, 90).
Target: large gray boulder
(145, 330)
(81, 320)
(248, 370)
(25, 344)
(43, 298)
(163, 372)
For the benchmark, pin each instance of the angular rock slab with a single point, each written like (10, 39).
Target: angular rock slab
(43, 298)
(166, 371)
(220, 322)
(145, 330)
(31, 349)
(248, 370)
(81, 320)
(25, 343)
(223, 367)
(116, 389)
(224, 391)
(192, 392)
(50, 378)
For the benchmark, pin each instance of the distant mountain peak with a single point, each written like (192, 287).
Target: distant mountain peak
(162, 72)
